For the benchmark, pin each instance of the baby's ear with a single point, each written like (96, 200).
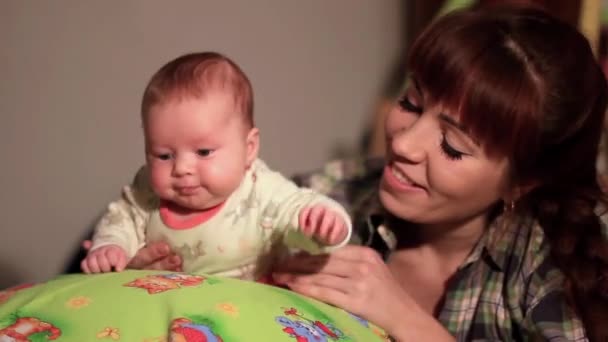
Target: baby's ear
(253, 146)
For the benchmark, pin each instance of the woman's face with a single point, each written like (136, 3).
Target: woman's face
(435, 172)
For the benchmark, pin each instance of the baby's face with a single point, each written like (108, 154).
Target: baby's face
(198, 150)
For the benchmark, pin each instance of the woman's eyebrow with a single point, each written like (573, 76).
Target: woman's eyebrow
(442, 116)
(452, 122)
(448, 119)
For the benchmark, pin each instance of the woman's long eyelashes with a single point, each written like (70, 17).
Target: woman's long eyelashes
(450, 152)
(408, 106)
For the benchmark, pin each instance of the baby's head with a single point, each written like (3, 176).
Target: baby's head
(195, 76)
(197, 115)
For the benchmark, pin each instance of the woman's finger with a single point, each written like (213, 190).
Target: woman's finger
(348, 253)
(169, 263)
(357, 254)
(338, 283)
(325, 294)
(150, 255)
(326, 263)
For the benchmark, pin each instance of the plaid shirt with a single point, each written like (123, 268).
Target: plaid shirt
(507, 289)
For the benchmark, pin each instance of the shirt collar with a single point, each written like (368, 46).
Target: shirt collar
(492, 248)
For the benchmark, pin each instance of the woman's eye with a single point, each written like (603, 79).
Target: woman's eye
(204, 152)
(450, 152)
(163, 156)
(408, 106)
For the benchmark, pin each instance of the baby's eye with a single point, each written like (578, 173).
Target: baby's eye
(163, 156)
(204, 152)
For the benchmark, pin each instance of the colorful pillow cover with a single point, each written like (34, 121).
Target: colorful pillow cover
(161, 306)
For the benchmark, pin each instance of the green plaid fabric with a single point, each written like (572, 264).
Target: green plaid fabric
(506, 290)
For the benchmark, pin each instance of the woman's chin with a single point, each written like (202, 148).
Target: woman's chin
(395, 206)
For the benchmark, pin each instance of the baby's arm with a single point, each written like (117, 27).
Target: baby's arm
(121, 231)
(304, 214)
(325, 225)
(105, 259)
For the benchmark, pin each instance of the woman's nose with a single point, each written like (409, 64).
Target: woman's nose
(411, 142)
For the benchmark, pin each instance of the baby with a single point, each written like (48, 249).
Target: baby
(203, 190)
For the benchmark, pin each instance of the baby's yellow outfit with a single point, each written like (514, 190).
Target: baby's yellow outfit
(255, 225)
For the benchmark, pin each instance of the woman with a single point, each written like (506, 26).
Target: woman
(480, 223)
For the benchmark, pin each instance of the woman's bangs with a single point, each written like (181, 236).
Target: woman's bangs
(478, 79)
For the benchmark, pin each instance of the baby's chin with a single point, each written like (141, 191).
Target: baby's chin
(197, 204)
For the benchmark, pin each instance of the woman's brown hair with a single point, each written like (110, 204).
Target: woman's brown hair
(528, 88)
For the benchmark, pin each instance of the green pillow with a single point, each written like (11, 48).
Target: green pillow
(160, 306)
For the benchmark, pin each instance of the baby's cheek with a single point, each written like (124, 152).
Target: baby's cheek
(223, 180)
(159, 181)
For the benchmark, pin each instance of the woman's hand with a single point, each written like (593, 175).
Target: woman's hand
(356, 279)
(155, 256)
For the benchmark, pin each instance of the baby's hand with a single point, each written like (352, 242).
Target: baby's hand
(323, 224)
(103, 259)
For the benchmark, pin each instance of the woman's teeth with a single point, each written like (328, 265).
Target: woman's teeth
(400, 177)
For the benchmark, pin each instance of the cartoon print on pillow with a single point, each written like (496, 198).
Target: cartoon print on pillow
(25, 328)
(307, 330)
(158, 283)
(8, 293)
(186, 330)
(109, 332)
(366, 324)
(228, 308)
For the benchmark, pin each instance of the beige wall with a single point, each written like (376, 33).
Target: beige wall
(72, 73)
